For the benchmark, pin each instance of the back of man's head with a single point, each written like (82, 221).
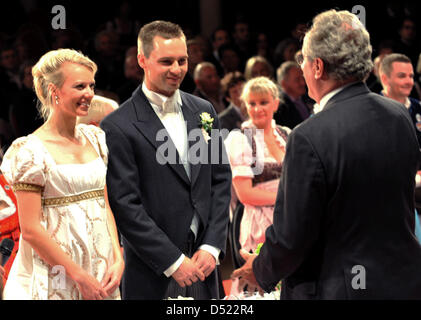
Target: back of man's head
(341, 41)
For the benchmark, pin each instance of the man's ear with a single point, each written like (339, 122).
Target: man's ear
(283, 82)
(319, 68)
(384, 80)
(141, 60)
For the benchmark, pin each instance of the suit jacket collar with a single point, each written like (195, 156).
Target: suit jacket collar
(350, 91)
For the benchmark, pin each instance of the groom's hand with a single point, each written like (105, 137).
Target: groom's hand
(188, 273)
(205, 261)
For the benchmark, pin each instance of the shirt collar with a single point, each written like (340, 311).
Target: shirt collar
(163, 103)
(407, 103)
(328, 96)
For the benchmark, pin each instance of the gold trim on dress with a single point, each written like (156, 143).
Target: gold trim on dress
(26, 187)
(72, 199)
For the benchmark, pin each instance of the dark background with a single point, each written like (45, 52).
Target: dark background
(274, 17)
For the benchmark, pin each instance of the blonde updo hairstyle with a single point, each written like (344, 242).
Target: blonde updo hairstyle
(48, 71)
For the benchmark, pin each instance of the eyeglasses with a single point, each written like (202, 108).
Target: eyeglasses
(299, 58)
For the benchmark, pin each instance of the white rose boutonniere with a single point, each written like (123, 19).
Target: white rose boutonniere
(206, 121)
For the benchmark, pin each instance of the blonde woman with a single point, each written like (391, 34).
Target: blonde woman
(69, 247)
(256, 154)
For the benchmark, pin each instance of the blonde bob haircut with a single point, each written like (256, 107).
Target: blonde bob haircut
(48, 71)
(260, 85)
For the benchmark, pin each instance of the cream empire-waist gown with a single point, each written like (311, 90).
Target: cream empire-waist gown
(73, 213)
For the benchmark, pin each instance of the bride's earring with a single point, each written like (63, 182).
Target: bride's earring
(56, 100)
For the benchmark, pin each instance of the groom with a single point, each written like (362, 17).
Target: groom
(171, 212)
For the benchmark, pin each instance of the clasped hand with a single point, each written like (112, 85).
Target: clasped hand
(246, 275)
(197, 268)
(92, 289)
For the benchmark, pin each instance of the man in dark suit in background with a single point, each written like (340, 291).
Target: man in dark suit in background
(171, 206)
(343, 224)
(236, 113)
(294, 105)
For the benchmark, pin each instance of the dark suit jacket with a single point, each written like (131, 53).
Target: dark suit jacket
(287, 113)
(344, 215)
(230, 119)
(154, 204)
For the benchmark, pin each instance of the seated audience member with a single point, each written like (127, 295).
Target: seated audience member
(9, 79)
(256, 161)
(99, 109)
(294, 106)
(110, 62)
(397, 77)
(124, 24)
(373, 81)
(195, 56)
(285, 50)
(263, 46)
(219, 37)
(236, 113)
(205, 46)
(24, 115)
(258, 66)
(67, 38)
(208, 85)
(230, 59)
(242, 39)
(9, 63)
(407, 42)
(133, 74)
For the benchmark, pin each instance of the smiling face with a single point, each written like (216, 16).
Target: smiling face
(166, 66)
(261, 106)
(401, 80)
(77, 91)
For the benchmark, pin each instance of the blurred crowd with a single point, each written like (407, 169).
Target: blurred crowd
(238, 49)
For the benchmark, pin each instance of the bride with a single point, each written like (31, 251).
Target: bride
(69, 247)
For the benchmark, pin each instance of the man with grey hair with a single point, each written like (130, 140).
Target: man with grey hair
(397, 78)
(208, 85)
(344, 216)
(294, 106)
